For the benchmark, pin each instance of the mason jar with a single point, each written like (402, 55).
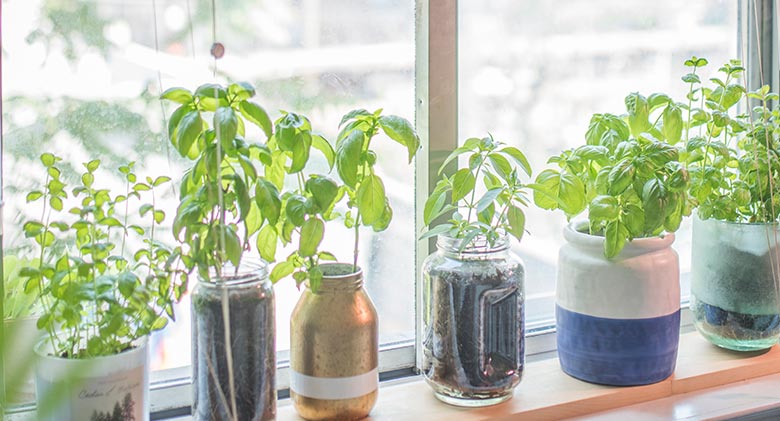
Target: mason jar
(735, 269)
(473, 321)
(234, 357)
(334, 348)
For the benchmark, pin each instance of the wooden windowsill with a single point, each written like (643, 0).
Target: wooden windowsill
(546, 393)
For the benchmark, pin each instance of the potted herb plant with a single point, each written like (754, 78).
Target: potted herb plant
(104, 283)
(734, 171)
(20, 317)
(334, 332)
(224, 202)
(618, 292)
(473, 286)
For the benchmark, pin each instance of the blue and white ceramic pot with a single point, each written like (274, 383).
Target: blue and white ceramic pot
(618, 319)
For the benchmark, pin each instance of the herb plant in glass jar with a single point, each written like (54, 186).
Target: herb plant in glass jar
(473, 285)
(224, 202)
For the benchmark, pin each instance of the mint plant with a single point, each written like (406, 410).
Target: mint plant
(498, 210)
(731, 156)
(99, 292)
(628, 176)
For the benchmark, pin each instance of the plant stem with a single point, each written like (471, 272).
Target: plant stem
(357, 241)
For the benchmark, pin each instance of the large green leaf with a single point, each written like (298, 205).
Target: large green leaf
(562, 190)
(267, 240)
(180, 95)
(621, 177)
(371, 199)
(348, 157)
(190, 128)
(267, 198)
(516, 219)
(603, 208)
(463, 182)
(257, 115)
(226, 126)
(322, 145)
(672, 124)
(654, 203)
(518, 156)
(638, 114)
(616, 237)
(402, 131)
(323, 190)
(312, 232)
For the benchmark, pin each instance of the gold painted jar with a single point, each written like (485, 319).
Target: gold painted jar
(334, 348)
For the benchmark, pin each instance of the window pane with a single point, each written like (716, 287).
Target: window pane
(532, 73)
(81, 79)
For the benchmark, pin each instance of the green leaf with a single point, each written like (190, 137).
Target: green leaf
(371, 199)
(322, 145)
(620, 177)
(518, 156)
(634, 219)
(348, 157)
(311, 236)
(463, 182)
(226, 126)
(433, 207)
(603, 208)
(180, 95)
(300, 152)
(55, 203)
(352, 114)
(267, 240)
(516, 219)
(233, 247)
(672, 124)
(402, 131)
(281, 270)
(174, 120)
(488, 198)
(654, 203)
(32, 229)
(437, 230)
(33, 196)
(562, 190)
(501, 165)
(257, 115)
(267, 199)
(323, 190)
(384, 219)
(241, 90)
(616, 236)
(110, 221)
(296, 209)
(48, 159)
(190, 128)
(638, 114)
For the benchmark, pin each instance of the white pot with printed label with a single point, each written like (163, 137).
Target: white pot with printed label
(112, 387)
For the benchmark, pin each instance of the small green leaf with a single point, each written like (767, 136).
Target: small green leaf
(488, 198)
(267, 240)
(190, 128)
(257, 115)
(352, 114)
(281, 270)
(371, 199)
(241, 90)
(311, 236)
(672, 124)
(180, 95)
(437, 230)
(433, 207)
(501, 165)
(267, 198)
(616, 236)
(402, 131)
(516, 219)
(323, 190)
(620, 177)
(518, 156)
(33, 196)
(322, 145)
(463, 182)
(226, 126)
(48, 159)
(295, 208)
(603, 208)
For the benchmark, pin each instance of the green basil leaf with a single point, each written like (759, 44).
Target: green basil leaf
(323, 190)
(281, 270)
(348, 157)
(488, 198)
(311, 236)
(322, 145)
(518, 156)
(190, 128)
(226, 127)
(257, 115)
(621, 177)
(616, 236)
(516, 219)
(301, 149)
(267, 198)
(180, 95)
(352, 114)
(672, 124)
(296, 209)
(371, 199)
(463, 182)
(241, 90)
(402, 131)
(603, 208)
(267, 240)
(638, 114)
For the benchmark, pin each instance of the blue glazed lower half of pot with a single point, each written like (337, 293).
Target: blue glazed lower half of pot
(617, 352)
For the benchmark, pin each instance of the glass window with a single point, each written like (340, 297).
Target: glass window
(81, 78)
(532, 73)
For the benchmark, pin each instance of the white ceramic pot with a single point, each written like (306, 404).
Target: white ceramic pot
(19, 359)
(71, 389)
(618, 320)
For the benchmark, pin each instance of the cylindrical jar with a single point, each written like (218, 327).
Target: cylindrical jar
(334, 348)
(735, 269)
(473, 321)
(234, 357)
(618, 320)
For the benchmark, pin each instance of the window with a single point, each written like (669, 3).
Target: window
(81, 78)
(533, 73)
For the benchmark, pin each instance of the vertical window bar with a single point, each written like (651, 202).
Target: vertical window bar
(757, 45)
(436, 116)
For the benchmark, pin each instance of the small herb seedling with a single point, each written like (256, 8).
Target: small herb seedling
(498, 210)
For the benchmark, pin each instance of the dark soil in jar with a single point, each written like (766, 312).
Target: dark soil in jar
(475, 337)
(739, 326)
(253, 340)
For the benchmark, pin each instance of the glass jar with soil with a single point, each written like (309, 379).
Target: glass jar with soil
(473, 321)
(734, 283)
(234, 357)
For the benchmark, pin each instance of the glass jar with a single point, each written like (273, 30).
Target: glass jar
(735, 269)
(245, 341)
(473, 321)
(334, 348)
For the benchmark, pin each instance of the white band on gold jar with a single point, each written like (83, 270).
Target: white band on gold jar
(334, 387)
